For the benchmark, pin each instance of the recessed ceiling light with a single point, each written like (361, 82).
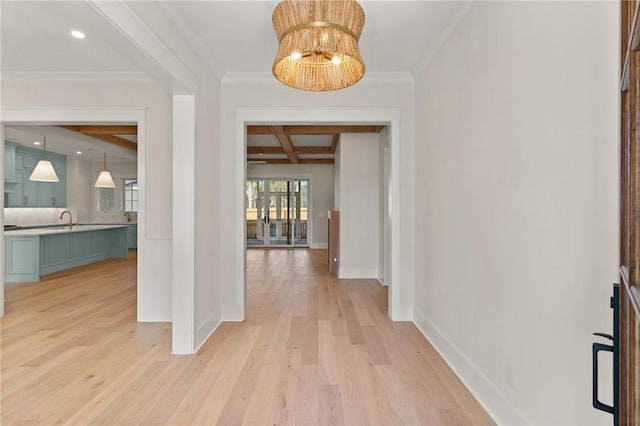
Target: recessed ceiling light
(77, 34)
(36, 143)
(78, 152)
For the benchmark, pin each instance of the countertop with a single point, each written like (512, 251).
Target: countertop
(60, 229)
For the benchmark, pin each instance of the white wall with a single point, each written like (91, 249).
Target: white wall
(517, 184)
(210, 213)
(258, 91)
(359, 205)
(154, 288)
(320, 192)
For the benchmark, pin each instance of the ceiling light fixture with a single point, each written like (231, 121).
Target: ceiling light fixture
(104, 179)
(318, 40)
(44, 171)
(77, 34)
(36, 142)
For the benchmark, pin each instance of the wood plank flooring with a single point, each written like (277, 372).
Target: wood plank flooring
(313, 350)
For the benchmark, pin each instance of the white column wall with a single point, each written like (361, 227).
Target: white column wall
(359, 205)
(517, 190)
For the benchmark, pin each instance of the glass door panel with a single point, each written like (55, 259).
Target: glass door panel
(276, 212)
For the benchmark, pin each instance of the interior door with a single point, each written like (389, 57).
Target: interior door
(629, 403)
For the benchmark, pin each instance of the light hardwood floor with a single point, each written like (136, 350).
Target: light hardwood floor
(313, 350)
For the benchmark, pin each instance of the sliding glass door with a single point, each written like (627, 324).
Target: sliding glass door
(276, 212)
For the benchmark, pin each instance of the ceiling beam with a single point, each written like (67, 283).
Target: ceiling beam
(111, 138)
(286, 160)
(104, 130)
(334, 143)
(297, 149)
(285, 141)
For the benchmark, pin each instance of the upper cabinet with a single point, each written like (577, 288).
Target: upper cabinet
(25, 193)
(10, 162)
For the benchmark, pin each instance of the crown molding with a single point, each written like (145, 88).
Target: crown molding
(75, 76)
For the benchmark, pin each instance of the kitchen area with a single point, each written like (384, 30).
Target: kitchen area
(70, 197)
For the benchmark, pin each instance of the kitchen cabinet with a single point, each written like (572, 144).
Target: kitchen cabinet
(26, 193)
(132, 236)
(30, 253)
(9, 161)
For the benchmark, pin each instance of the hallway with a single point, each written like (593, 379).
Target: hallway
(313, 350)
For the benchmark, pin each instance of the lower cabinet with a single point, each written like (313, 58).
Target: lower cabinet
(132, 236)
(28, 257)
(22, 259)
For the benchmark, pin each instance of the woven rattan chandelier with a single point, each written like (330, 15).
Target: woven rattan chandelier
(318, 43)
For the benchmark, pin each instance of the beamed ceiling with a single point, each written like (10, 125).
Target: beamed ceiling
(299, 144)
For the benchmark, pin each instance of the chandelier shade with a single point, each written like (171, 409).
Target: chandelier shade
(104, 178)
(44, 171)
(318, 44)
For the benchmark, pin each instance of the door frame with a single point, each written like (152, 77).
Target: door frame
(629, 323)
(356, 115)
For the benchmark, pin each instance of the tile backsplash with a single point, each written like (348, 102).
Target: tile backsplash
(36, 216)
(49, 216)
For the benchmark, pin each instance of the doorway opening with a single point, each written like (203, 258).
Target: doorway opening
(24, 119)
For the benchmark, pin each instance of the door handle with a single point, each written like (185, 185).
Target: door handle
(599, 347)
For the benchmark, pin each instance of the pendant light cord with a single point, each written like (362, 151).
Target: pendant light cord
(44, 145)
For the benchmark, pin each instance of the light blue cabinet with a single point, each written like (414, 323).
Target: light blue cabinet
(132, 236)
(9, 161)
(22, 259)
(26, 193)
(29, 256)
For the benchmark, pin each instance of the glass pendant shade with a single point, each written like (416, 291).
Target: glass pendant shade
(44, 171)
(104, 178)
(318, 44)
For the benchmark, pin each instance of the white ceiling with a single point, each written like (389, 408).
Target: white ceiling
(230, 36)
(237, 35)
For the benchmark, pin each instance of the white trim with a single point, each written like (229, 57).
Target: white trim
(491, 399)
(154, 56)
(76, 76)
(136, 115)
(207, 328)
(357, 273)
(361, 115)
(318, 246)
(183, 248)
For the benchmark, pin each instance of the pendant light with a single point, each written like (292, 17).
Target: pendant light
(44, 171)
(318, 43)
(104, 179)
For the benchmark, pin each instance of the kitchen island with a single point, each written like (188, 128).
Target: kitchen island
(30, 253)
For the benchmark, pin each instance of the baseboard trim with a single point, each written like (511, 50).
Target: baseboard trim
(491, 399)
(207, 328)
(232, 313)
(317, 246)
(356, 273)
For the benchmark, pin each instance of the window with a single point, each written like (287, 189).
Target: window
(131, 195)
(105, 200)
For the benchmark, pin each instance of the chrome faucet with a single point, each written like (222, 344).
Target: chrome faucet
(128, 216)
(70, 222)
